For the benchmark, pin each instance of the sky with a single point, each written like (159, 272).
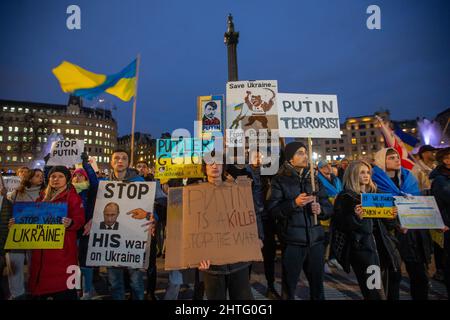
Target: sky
(309, 46)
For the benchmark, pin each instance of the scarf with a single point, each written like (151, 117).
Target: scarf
(332, 188)
(409, 185)
(81, 186)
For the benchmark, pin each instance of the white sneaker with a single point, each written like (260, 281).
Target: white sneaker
(335, 264)
(326, 269)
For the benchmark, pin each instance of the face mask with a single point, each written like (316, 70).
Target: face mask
(80, 186)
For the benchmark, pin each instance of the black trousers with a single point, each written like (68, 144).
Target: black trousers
(360, 260)
(418, 280)
(269, 251)
(151, 271)
(237, 284)
(310, 259)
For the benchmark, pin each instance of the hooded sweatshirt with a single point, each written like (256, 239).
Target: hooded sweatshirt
(30, 195)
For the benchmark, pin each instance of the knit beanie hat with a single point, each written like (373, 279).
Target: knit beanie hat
(291, 148)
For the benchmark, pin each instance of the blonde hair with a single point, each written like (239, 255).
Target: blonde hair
(351, 177)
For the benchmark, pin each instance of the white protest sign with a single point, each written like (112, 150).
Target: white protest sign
(250, 105)
(11, 183)
(308, 116)
(419, 212)
(118, 236)
(66, 153)
(93, 162)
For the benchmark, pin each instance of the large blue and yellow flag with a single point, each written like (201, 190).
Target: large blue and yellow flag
(83, 83)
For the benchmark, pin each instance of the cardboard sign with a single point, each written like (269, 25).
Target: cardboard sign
(377, 205)
(118, 236)
(38, 226)
(66, 153)
(250, 105)
(216, 223)
(210, 114)
(181, 158)
(418, 212)
(308, 115)
(11, 183)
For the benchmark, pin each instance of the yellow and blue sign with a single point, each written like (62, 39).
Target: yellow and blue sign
(377, 205)
(38, 225)
(181, 158)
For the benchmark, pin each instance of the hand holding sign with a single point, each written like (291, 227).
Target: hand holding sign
(204, 265)
(315, 207)
(359, 211)
(87, 228)
(151, 225)
(66, 222)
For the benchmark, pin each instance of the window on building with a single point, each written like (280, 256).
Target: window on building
(333, 141)
(341, 148)
(1, 128)
(67, 121)
(327, 141)
(77, 131)
(354, 141)
(8, 148)
(362, 134)
(72, 131)
(1, 138)
(53, 120)
(16, 129)
(363, 140)
(67, 131)
(16, 139)
(58, 130)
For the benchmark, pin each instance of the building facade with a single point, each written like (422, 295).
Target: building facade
(144, 147)
(360, 138)
(28, 128)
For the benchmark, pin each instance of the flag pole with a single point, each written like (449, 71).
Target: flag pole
(311, 172)
(133, 123)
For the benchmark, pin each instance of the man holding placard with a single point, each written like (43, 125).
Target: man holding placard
(293, 204)
(414, 244)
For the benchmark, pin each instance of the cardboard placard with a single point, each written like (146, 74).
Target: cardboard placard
(217, 223)
(66, 153)
(418, 212)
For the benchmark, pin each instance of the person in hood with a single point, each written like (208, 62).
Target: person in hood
(28, 191)
(293, 206)
(414, 245)
(440, 188)
(48, 271)
(423, 167)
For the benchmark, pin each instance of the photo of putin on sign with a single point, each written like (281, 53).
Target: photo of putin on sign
(110, 215)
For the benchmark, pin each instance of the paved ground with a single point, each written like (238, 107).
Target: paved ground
(338, 285)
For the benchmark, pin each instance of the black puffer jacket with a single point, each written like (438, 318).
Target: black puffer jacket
(360, 231)
(294, 223)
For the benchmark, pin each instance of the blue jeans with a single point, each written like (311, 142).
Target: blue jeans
(116, 280)
(88, 279)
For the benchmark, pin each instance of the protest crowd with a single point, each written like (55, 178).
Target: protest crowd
(313, 229)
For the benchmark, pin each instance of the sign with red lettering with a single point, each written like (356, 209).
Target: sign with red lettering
(209, 222)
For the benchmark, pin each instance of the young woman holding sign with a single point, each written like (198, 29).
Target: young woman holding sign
(49, 270)
(348, 218)
(232, 278)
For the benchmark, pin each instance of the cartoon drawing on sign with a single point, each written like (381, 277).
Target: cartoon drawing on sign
(110, 214)
(258, 107)
(239, 117)
(209, 119)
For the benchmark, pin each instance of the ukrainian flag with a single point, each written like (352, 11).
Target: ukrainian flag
(408, 140)
(83, 83)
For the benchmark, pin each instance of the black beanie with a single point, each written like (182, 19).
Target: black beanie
(62, 170)
(291, 148)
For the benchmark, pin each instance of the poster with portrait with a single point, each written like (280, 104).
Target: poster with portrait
(209, 114)
(119, 236)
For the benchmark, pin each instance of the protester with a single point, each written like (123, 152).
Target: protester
(121, 172)
(348, 218)
(424, 166)
(48, 272)
(231, 278)
(414, 245)
(342, 167)
(29, 190)
(85, 182)
(440, 188)
(293, 205)
(5, 216)
(333, 186)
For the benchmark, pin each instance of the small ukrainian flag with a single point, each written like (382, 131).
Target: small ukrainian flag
(83, 83)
